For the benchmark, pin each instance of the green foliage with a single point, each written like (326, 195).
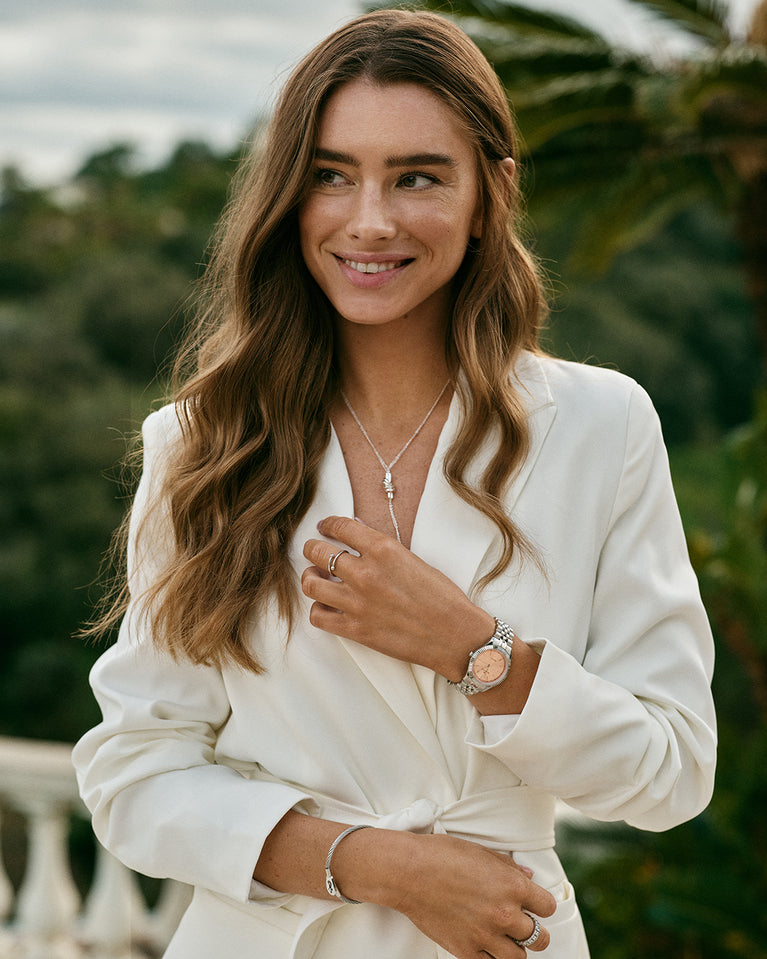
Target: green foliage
(698, 891)
(672, 313)
(704, 18)
(642, 178)
(92, 277)
(521, 19)
(733, 561)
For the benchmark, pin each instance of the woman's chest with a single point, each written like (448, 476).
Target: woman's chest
(388, 477)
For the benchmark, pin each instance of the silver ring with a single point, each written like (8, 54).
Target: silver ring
(533, 937)
(333, 560)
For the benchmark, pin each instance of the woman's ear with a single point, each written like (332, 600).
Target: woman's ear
(509, 166)
(508, 175)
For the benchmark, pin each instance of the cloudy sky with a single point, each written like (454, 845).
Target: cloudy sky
(79, 75)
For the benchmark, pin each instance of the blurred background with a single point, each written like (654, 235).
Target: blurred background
(644, 125)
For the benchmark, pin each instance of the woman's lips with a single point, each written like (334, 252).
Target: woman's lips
(371, 274)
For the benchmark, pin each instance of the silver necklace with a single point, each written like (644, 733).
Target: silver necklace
(388, 484)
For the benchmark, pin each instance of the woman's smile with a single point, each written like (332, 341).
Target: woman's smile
(373, 266)
(372, 274)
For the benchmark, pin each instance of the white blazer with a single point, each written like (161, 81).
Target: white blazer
(192, 766)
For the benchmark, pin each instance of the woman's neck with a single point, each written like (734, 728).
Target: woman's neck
(391, 373)
(394, 378)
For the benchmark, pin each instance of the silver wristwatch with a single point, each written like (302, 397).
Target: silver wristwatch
(488, 665)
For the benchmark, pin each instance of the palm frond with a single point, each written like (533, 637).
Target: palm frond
(576, 101)
(509, 16)
(731, 86)
(633, 208)
(527, 60)
(707, 19)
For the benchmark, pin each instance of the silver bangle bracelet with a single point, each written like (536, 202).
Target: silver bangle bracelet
(330, 883)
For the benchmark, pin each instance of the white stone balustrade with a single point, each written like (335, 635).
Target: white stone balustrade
(46, 917)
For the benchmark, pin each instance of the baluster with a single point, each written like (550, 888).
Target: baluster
(48, 900)
(6, 889)
(164, 919)
(115, 912)
(6, 905)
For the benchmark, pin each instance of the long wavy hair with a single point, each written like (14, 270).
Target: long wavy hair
(258, 375)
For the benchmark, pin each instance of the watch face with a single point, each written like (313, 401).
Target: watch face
(489, 665)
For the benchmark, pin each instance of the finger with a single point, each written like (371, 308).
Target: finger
(328, 619)
(536, 931)
(539, 901)
(330, 609)
(312, 579)
(349, 531)
(317, 584)
(316, 571)
(542, 942)
(524, 869)
(321, 554)
(315, 549)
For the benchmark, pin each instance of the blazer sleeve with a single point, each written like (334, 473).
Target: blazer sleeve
(628, 731)
(147, 772)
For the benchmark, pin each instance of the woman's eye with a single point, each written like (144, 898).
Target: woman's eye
(417, 181)
(329, 177)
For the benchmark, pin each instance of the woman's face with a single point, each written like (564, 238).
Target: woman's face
(393, 202)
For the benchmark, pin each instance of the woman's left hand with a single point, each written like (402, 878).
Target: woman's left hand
(390, 600)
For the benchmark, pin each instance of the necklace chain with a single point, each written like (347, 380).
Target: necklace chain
(387, 481)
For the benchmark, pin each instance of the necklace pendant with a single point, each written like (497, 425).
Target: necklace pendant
(388, 485)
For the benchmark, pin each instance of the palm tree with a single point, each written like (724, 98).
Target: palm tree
(624, 141)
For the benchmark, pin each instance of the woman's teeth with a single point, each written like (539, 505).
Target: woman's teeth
(372, 267)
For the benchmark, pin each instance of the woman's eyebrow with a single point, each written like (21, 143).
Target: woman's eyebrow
(411, 159)
(335, 156)
(420, 159)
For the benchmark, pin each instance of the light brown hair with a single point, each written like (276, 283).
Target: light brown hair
(258, 376)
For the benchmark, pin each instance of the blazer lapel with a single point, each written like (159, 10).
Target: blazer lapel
(449, 533)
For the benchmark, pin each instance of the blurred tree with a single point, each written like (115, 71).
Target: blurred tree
(91, 283)
(671, 311)
(699, 891)
(57, 407)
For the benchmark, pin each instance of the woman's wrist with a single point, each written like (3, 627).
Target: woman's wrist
(476, 629)
(370, 865)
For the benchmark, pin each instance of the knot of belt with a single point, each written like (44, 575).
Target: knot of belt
(513, 818)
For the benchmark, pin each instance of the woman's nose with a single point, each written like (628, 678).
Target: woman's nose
(371, 216)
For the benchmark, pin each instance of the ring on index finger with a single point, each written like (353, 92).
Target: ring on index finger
(533, 937)
(333, 560)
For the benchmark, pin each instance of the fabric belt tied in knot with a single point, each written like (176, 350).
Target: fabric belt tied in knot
(510, 819)
(514, 818)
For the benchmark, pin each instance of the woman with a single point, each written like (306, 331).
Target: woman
(389, 565)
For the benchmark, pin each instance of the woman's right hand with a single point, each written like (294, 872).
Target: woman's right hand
(472, 901)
